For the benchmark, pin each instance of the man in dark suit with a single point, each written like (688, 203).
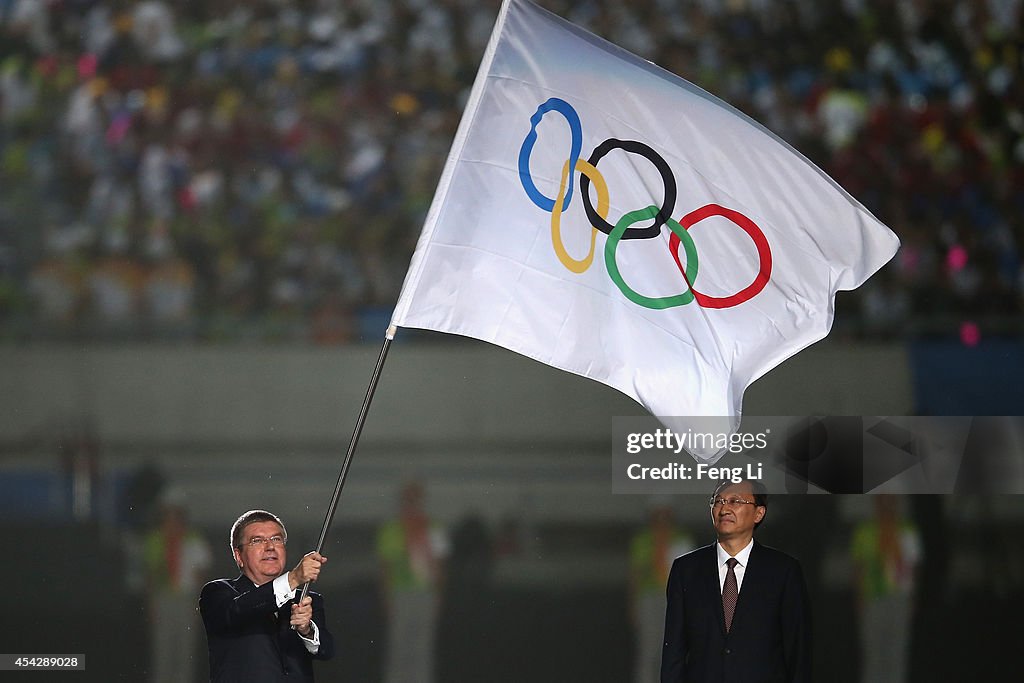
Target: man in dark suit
(737, 610)
(256, 631)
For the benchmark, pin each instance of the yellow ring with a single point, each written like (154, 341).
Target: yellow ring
(589, 170)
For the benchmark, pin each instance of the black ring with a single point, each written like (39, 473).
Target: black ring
(667, 178)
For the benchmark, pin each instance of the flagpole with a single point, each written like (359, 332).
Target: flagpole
(353, 442)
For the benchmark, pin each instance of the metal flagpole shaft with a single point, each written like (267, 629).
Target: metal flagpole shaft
(352, 446)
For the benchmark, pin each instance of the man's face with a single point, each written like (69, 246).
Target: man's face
(736, 520)
(261, 562)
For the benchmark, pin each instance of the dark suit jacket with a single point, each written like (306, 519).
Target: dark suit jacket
(249, 636)
(769, 641)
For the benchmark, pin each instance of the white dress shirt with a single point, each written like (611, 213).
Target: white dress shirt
(742, 557)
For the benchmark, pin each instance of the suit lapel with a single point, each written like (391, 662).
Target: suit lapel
(244, 584)
(753, 574)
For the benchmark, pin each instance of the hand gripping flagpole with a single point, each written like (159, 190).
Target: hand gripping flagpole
(353, 442)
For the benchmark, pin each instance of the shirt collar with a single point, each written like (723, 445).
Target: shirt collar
(742, 556)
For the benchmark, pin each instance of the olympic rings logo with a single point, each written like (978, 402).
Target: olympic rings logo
(624, 229)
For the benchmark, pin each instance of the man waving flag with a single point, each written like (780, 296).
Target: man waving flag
(606, 217)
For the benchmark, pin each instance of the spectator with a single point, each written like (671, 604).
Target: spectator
(237, 129)
(176, 559)
(411, 549)
(886, 550)
(651, 553)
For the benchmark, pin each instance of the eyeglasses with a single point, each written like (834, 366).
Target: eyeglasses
(276, 539)
(719, 502)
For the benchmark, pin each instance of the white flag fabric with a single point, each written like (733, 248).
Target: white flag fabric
(604, 216)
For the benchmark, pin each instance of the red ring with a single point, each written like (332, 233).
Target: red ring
(764, 254)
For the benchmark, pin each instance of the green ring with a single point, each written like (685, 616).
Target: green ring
(612, 243)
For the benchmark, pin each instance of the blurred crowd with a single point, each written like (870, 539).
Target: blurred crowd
(260, 169)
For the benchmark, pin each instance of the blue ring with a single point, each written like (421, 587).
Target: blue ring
(575, 128)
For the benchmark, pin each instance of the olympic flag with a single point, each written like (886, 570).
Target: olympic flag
(606, 217)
